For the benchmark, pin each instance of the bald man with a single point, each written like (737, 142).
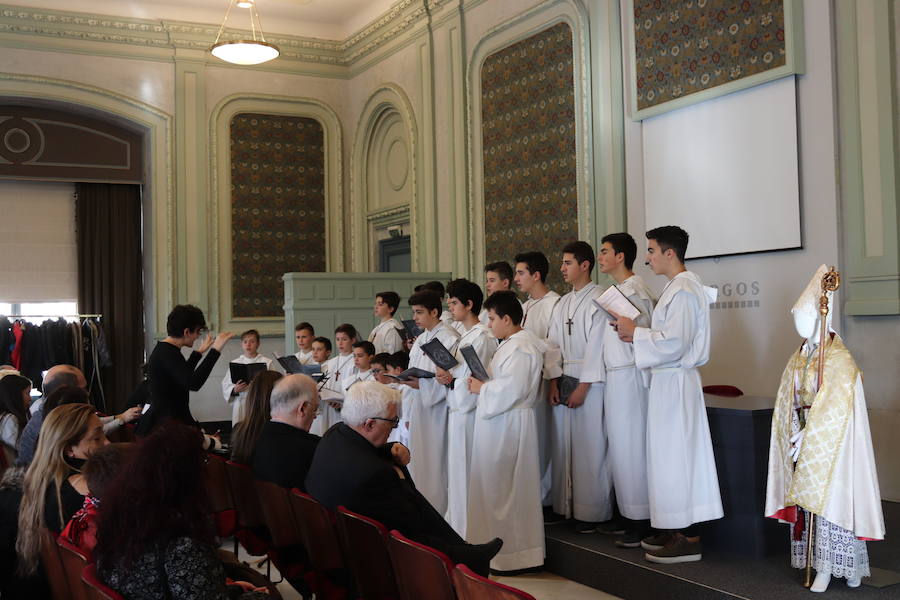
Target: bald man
(58, 376)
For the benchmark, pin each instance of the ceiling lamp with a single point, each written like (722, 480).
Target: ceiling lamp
(244, 52)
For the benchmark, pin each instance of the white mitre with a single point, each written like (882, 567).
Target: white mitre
(806, 309)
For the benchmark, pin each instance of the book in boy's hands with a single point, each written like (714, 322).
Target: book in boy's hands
(290, 364)
(412, 330)
(614, 302)
(412, 372)
(439, 354)
(245, 372)
(475, 364)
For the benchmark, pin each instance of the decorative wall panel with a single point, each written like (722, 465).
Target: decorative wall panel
(278, 207)
(684, 47)
(528, 141)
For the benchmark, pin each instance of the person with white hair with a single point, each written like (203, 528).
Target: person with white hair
(355, 467)
(294, 403)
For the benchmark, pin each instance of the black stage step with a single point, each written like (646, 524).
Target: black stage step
(595, 561)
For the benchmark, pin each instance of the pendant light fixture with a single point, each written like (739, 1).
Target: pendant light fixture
(244, 52)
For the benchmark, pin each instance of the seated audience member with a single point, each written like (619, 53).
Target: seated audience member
(294, 404)
(15, 396)
(354, 467)
(58, 377)
(236, 393)
(99, 471)
(256, 415)
(54, 488)
(154, 539)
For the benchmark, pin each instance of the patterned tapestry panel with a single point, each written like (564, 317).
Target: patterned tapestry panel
(685, 46)
(528, 137)
(277, 208)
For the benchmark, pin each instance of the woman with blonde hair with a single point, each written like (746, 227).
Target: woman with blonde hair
(256, 414)
(54, 488)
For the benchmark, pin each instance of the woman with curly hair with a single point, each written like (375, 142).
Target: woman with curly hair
(154, 535)
(15, 396)
(256, 414)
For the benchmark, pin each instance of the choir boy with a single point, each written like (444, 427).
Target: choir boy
(337, 369)
(236, 393)
(363, 353)
(385, 336)
(497, 277)
(304, 334)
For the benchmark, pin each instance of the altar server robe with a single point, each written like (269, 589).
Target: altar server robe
(386, 338)
(237, 402)
(305, 358)
(536, 319)
(624, 401)
(504, 484)
(427, 415)
(582, 481)
(681, 471)
(338, 369)
(461, 423)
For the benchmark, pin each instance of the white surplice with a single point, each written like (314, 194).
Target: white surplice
(681, 471)
(504, 484)
(427, 416)
(461, 423)
(305, 358)
(237, 402)
(386, 338)
(624, 401)
(366, 375)
(337, 369)
(582, 482)
(536, 319)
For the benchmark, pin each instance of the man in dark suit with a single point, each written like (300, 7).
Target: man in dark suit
(354, 467)
(285, 447)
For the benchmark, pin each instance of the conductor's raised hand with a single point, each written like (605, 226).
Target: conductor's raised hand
(207, 344)
(222, 339)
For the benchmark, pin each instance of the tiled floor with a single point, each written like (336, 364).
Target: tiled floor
(543, 586)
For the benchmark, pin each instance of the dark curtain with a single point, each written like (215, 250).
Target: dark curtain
(110, 279)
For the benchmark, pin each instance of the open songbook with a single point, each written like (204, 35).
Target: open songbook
(245, 372)
(475, 364)
(412, 372)
(439, 354)
(614, 302)
(410, 330)
(292, 366)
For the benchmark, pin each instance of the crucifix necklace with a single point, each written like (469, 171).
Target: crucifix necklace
(337, 374)
(569, 321)
(535, 303)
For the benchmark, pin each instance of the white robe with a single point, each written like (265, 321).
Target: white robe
(681, 470)
(427, 416)
(582, 482)
(237, 402)
(536, 319)
(305, 358)
(504, 485)
(366, 375)
(461, 424)
(625, 401)
(338, 369)
(386, 338)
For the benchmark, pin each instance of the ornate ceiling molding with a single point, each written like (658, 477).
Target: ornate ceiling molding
(57, 25)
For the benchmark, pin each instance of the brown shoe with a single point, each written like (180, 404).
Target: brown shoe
(678, 550)
(656, 541)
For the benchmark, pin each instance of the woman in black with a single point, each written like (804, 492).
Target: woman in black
(172, 378)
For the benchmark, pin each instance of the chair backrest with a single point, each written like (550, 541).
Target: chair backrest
(726, 391)
(215, 480)
(422, 573)
(53, 566)
(471, 586)
(365, 543)
(97, 590)
(74, 561)
(317, 532)
(243, 491)
(276, 509)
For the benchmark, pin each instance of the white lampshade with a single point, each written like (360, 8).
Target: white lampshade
(245, 52)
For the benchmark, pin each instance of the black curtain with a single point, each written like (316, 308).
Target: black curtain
(110, 279)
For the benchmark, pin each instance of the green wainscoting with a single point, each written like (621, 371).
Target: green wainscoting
(328, 299)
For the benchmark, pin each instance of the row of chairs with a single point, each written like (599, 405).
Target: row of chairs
(383, 565)
(70, 574)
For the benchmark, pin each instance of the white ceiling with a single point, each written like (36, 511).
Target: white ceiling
(329, 19)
